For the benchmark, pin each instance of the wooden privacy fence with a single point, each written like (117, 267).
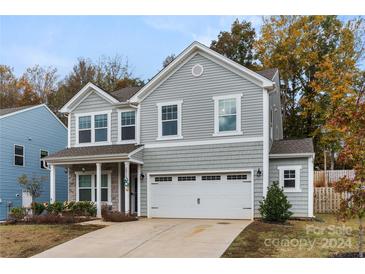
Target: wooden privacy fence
(326, 200)
(326, 178)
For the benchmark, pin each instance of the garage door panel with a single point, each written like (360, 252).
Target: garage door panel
(201, 199)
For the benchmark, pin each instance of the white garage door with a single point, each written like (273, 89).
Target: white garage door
(220, 196)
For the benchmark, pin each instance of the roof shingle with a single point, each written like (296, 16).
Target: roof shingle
(93, 151)
(292, 146)
(268, 73)
(5, 111)
(125, 93)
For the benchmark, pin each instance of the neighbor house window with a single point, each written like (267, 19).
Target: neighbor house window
(169, 115)
(85, 129)
(289, 178)
(18, 155)
(87, 190)
(93, 128)
(128, 125)
(101, 128)
(44, 153)
(227, 115)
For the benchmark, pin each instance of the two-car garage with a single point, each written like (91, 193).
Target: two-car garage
(227, 195)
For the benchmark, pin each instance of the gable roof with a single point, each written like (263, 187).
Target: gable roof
(190, 51)
(7, 112)
(125, 94)
(268, 73)
(292, 146)
(72, 103)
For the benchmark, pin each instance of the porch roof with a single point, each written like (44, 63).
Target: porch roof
(292, 147)
(93, 153)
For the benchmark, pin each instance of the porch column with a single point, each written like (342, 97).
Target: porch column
(52, 180)
(126, 187)
(139, 190)
(98, 190)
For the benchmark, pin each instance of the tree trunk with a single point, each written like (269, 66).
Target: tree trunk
(332, 160)
(361, 237)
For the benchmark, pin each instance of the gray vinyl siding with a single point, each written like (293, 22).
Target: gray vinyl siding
(299, 200)
(138, 156)
(207, 157)
(94, 103)
(275, 103)
(198, 104)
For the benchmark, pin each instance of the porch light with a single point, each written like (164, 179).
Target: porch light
(83, 169)
(259, 173)
(142, 176)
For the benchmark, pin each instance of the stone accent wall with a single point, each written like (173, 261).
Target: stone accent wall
(92, 167)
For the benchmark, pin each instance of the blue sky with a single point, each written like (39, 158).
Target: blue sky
(145, 40)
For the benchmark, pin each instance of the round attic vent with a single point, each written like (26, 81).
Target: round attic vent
(197, 70)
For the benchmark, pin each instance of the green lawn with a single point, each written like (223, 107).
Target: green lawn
(319, 238)
(22, 241)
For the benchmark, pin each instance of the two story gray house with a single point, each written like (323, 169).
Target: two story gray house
(202, 139)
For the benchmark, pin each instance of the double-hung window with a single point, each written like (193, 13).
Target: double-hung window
(93, 128)
(227, 115)
(87, 190)
(289, 178)
(85, 129)
(44, 153)
(18, 155)
(169, 120)
(127, 126)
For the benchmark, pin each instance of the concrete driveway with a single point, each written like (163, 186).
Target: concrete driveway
(161, 238)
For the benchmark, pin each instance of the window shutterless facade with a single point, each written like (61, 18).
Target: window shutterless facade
(86, 187)
(169, 120)
(19, 155)
(43, 153)
(128, 125)
(227, 115)
(93, 128)
(289, 178)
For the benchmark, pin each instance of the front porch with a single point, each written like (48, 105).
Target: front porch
(112, 179)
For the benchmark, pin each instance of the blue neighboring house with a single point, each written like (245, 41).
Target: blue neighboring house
(26, 135)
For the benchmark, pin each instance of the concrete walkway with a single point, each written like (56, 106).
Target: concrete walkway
(161, 238)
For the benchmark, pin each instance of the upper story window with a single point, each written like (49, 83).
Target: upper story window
(93, 128)
(227, 115)
(128, 125)
(44, 153)
(18, 155)
(169, 120)
(289, 178)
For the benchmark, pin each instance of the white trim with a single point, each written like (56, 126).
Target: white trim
(135, 151)
(18, 155)
(265, 175)
(102, 93)
(52, 184)
(238, 98)
(214, 171)
(291, 155)
(134, 141)
(139, 190)
(297, 177)
(93, 184)
(191, 51)
(69, 130)
(138, 125)
(204, 142)
(179, 120)
(119, 187)
(92, 115)
(127, 188)
(310, 187)
(31, 108)
(197, 74)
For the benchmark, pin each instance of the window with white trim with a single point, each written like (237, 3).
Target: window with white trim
(163, 179)
(169, 120)
(87, 190)
(289, 178)
(18, 155)
(186, 178)
(227, 115)
(84, 129)
(128, 125)
(93, 128)
(44, 153)
(211, 178)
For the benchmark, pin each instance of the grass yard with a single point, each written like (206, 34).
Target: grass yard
(320, 238)
(25, 240)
